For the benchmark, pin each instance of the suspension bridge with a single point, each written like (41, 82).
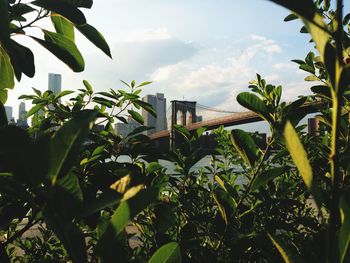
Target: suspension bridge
(185, 114)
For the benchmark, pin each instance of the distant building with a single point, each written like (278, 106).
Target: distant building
(55, 82)
(9, 112)
(312, 126)
(199, 118)
(22, 116)
(123, 129)
(158, 102)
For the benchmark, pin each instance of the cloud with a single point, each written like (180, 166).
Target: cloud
(218, 84)
(160, 33)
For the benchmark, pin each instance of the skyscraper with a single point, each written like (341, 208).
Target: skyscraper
(9, 111)
(22, 115)
(55, 82)
(158, 102)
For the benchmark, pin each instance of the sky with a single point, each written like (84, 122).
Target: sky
(200, 50)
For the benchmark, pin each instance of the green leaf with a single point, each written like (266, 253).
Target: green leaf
(35, 109)
(266, 176)
(305, 8)
(290, 17)
(6, 74)
(4, 22)
(245, 146)
(79, 3)
(312, 78)
(95, 37)
(136, 116)
(144, 84)
(69, 11)
(168, 253)
(3, 95)
(298, 154)
(88, 86)
(63, 93)
(300, 159)
(67, 196)
(344, 232)
(70, 235)
(307, 68)
(65, 144)
(64, 49)
(286, 255)
(153, 167)
(63, 26)
(254, 103)
(126, 211)
(22, 59)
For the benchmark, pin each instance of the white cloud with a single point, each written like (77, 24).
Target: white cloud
(160, 33)
(285, 66)
(218, 84)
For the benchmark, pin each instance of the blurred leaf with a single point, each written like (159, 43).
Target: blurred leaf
(153, 167)
(95, 37)
(3, 116)
(290, 17)
(4, 22)
(305, 8)
(63, 26)
(70, 235)
(286, 255)
(136, 116)
(144, 84)
(63, 93)
(245, 146)
(64, 8)
(6, 73)
(65, 144)
(88, 86)
(266, 176)
(22, 59)
(34, 110)
(126, 211)
(344, 232)
(64, 49)
(168, 253)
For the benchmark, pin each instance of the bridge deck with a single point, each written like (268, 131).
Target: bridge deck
(234, 119)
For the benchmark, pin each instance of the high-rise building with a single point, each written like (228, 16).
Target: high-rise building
(22, 115)
(158, 102)
(123, 129)
(55, 82)
(9, 111)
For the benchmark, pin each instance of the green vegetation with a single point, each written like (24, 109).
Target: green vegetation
(287, 201)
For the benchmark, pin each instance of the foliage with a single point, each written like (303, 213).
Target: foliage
(17, 18)
(284, 198)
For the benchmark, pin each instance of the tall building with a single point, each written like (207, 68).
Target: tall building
(123, 129)
(158, 102)
(22, 115)
(55, 82)
(9, 112)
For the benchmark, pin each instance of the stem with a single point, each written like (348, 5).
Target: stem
(335, 222)
(255, 175)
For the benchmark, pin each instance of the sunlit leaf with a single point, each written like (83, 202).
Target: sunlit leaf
(282, 250)
(6, 73)
(168, 253)
(245, 146)
(63, 26)
(95, 37)
(254, 103)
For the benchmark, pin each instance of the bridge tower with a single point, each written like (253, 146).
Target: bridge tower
(181, 107)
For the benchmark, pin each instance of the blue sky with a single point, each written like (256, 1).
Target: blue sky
(201, 50)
